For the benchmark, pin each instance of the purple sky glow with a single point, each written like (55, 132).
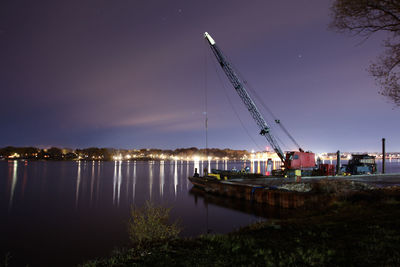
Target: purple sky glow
(132, 74)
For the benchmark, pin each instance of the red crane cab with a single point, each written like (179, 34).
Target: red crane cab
(299, 160)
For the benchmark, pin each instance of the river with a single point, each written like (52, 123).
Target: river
(61, 213)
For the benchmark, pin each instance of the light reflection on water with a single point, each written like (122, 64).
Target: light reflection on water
(78, 183)
(134, 182)
(92, 184)
(150, 178)
(175, 177)
(90, 180)
(162, 182)
(82, 202)
(13, 174)
(124, 179)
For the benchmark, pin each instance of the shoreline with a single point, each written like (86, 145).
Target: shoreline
(356, 231)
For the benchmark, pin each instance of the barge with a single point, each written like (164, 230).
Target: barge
(293, 193)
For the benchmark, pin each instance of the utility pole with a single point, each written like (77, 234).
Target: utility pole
(383, 155)
(338, 163)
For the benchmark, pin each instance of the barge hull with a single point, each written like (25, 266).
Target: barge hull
(321, 190)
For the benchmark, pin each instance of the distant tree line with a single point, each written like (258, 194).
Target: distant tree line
(94, 153)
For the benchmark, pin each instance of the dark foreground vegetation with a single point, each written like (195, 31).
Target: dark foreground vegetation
(361, 230)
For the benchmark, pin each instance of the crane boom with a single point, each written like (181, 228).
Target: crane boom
(243, 94)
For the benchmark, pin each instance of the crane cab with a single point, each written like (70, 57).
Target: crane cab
(299, 160)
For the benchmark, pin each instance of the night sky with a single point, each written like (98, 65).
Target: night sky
(134, 74)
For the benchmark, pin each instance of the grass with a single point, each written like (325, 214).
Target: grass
(353, 232)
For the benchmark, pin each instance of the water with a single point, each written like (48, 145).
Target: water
(63, 213)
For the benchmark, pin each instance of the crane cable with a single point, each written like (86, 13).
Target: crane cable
(276, 120)
(232, 106)
(272, 126)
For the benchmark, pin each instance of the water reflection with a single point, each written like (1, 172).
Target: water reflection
(25, 179)
(151, 163)
(92, 184)
(187, 174)
(115, 182)
(78, 183)
(134, 182)
(175, 177)
(128, 180)
(13, 182)
(119, 181)
(181, 174)
(261, 211)
(98, 181)
(162, 182)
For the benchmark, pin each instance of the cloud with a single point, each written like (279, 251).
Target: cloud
(155, 119)
(170, 122)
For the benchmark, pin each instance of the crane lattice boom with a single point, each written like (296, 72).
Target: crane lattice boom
(249, 103)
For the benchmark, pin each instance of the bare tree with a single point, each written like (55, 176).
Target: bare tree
(366, 17)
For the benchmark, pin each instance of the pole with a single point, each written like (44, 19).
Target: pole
(338, 163)
(383, 155)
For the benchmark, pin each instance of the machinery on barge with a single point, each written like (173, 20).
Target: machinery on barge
(360, 164)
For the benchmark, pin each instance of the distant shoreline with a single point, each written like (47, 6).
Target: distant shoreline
(155, 154)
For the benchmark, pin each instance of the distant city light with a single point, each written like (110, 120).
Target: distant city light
(14, 156)
(117, 157)
(254, 156)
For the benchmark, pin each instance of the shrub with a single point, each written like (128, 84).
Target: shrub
(6, 261)
(151, 224)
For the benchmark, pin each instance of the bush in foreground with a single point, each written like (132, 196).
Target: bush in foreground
(151, 224)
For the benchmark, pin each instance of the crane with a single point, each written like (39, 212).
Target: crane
(293, 159)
